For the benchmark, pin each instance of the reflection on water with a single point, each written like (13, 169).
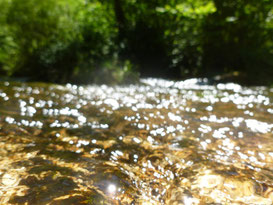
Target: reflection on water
(159, 142)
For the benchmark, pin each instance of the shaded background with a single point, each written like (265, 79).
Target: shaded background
(118, 41)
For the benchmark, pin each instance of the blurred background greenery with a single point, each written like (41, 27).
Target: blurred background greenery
(116, 41)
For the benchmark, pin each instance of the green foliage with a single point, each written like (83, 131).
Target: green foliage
(7, 48)
(43, 37)
(84, 41)
(186, 34)
(237, 37)
(59, 41)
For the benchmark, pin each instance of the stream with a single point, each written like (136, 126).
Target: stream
(156, 142)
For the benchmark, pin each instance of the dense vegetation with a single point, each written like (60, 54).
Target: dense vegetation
(83, 41)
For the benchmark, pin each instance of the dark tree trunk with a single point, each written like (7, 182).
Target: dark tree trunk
(121, 20)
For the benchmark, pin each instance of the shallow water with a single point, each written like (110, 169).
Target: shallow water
(159, 142)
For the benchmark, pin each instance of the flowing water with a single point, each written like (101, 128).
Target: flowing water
(158, 142)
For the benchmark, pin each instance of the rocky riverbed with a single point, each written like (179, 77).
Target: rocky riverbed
(157, 142)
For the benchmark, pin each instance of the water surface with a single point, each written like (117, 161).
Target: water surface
(158, 142)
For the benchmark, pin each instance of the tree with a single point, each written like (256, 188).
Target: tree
(235, 38)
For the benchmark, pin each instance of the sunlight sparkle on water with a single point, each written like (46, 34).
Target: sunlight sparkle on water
(111, 189)
(174, 142)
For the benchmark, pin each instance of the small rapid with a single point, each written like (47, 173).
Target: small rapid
(156, 142)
